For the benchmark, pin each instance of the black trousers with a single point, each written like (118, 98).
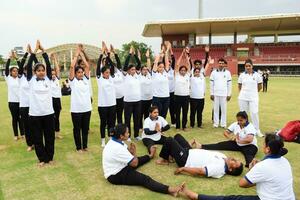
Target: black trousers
(172, 108)
(43, 129)
(197, 106)
(181, 103)
(149, 142)
(265, 86)
(133, 108)
(163, 104)
(24, 112)
(249, 151)
(146, 104)
(129, 176)
(231, 197)
(119, 110)
(107, 119)
(57, 108)
(81, 124)
(16, 118)
(176, 147)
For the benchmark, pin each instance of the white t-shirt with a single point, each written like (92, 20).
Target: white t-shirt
(40, 98)
(115, 157)
(249, 91)
(171, 80)
(12, 88)
(118, 80)
(55, 88)
(212, 161)
(198, 87)
(160, 83)
(80, 95)
(146, 87)
(150, 124)
(106, 92)
(220, 83)
(24, 92)
(273, 178)
(182, 84)
(132, 88)
(244, 132)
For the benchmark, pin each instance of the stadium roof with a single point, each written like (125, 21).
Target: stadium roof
(284, 24)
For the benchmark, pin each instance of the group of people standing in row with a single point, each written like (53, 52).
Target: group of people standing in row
(145, 93)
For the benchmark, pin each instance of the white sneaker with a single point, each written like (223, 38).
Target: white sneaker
(260, 134)
(129, 140)
(103, 142)
(138, 138)
(216, 126)
(173, 125)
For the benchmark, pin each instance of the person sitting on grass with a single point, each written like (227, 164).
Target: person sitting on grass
(154, 127)
(198, 162)
(272, 176)
(120, 164)
(241, 135)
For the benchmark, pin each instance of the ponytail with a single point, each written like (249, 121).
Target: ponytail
(276, 145)
(117, 131)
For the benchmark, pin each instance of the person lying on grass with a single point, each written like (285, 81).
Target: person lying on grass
(272, 176)
(120, 164)
(198, 162)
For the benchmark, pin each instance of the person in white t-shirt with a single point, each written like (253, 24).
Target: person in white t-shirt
(120, 163)
(198, 161)
(160, 81)
(81, 106)
(182, 89)
(41, 113)
(12, 80)
(146, 89)
(132, 94)
(250, 83)
(154, 127)
(24, 93)
(106, 101)
(242, 137)
(220, 92)
(272, 176)
(56, 95)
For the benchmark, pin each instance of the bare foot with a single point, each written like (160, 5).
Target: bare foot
(79, 150)
(85, 150)
(162, 162)
(58, 136)
(175, 190)
(29, 148)
(41, 164)
(16, 138)
(192, 143)
(152, 151)
(51, 162)
(188, 193)
(22, 137)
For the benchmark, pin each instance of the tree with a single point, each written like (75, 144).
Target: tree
(142, 47)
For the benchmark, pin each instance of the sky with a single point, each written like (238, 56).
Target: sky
(57, 22)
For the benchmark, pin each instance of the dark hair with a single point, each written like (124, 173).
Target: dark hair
(103, 69)
(249, 61)
(10, 70)
(183, 66)
(130, 66)
(79, 61)
(236, 171)
(276, 145)
(160, 62)
(222, 60)
(37, 65)
(152, 108)
(118, 130)
(198, 61)
(78, 68)
(144, 66)
(243, 115)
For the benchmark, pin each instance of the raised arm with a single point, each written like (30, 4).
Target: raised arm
(7, 65)
(23, 60)
(138, 60)
(73, 64)
(155, 65)
(32, 57)
(98, 70)
(167, 62)
(179, 62)
(131, 51)
(148, 60)
(57, 68)
(87, 65)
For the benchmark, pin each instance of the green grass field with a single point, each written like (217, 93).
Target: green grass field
(80, 176)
